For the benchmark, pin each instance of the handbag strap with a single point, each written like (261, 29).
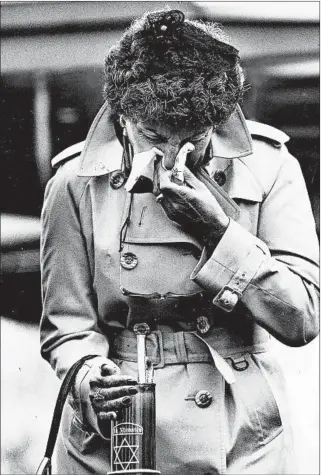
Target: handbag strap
(68, 381)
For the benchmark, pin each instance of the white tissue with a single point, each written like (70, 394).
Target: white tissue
(143, 165)
(180, 161)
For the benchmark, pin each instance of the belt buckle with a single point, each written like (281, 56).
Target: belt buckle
(160, 349)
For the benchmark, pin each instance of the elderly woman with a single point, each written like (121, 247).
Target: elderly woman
(179, 213)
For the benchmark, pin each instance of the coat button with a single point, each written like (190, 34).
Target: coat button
(220, 177)
(117, 179)
(128, 260)
(203, 399)
(203, 325)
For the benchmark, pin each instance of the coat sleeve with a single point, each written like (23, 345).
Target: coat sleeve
(69, 324)
(272, 277)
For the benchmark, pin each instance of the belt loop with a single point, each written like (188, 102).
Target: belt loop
(180, 347)
(159, 349)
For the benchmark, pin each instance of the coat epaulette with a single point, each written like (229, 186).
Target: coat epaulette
(67, 154)
(266, 132)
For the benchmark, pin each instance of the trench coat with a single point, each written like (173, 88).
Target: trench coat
(260, 280)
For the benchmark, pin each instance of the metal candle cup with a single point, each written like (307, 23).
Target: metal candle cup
(133, 435)
(133, 438)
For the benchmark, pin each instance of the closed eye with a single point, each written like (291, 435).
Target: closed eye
(149, 135)
(199, 138)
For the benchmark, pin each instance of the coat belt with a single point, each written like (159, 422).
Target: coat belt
(166, 348)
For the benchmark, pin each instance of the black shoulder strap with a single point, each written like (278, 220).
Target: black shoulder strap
(67, 154)
(68, 381)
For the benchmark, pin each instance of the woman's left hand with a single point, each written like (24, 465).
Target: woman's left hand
(192, 206)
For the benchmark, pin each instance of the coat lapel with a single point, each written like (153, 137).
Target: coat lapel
(232, 139)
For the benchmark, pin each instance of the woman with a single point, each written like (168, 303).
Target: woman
(215, 257)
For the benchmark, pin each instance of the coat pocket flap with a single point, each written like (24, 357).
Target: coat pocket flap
(158, 269)
(149, 224)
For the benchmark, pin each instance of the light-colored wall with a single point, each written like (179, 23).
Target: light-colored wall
(72, 50)
(28, 15)
(21, 52)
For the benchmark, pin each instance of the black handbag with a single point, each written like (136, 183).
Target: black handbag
(67, 383)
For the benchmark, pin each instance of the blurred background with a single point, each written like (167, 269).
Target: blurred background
(52, 56)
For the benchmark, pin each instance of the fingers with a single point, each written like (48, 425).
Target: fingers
(102, 405)
(106, 416)
(109, 368)
(110, 391)
(164, 178)
(111, 381)
(179, 165)
(116, 392)
(107, 400)
(191, 180)
(166, 183)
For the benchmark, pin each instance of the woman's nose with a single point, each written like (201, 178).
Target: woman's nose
(170, 154)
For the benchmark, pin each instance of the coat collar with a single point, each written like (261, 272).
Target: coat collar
(233, 139)
(240, 181)
(102, 152)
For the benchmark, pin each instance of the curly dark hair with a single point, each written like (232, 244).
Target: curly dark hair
(175, 72)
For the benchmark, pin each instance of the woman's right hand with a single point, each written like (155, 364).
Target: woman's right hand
(110, 391)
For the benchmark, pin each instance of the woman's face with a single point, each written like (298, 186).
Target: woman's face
(144, 136)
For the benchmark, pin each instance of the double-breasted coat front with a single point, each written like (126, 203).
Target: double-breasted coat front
(212, 314)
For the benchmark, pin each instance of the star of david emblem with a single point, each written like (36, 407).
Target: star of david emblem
(125, 454)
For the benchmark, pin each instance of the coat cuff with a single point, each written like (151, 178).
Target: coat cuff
(233, 264)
